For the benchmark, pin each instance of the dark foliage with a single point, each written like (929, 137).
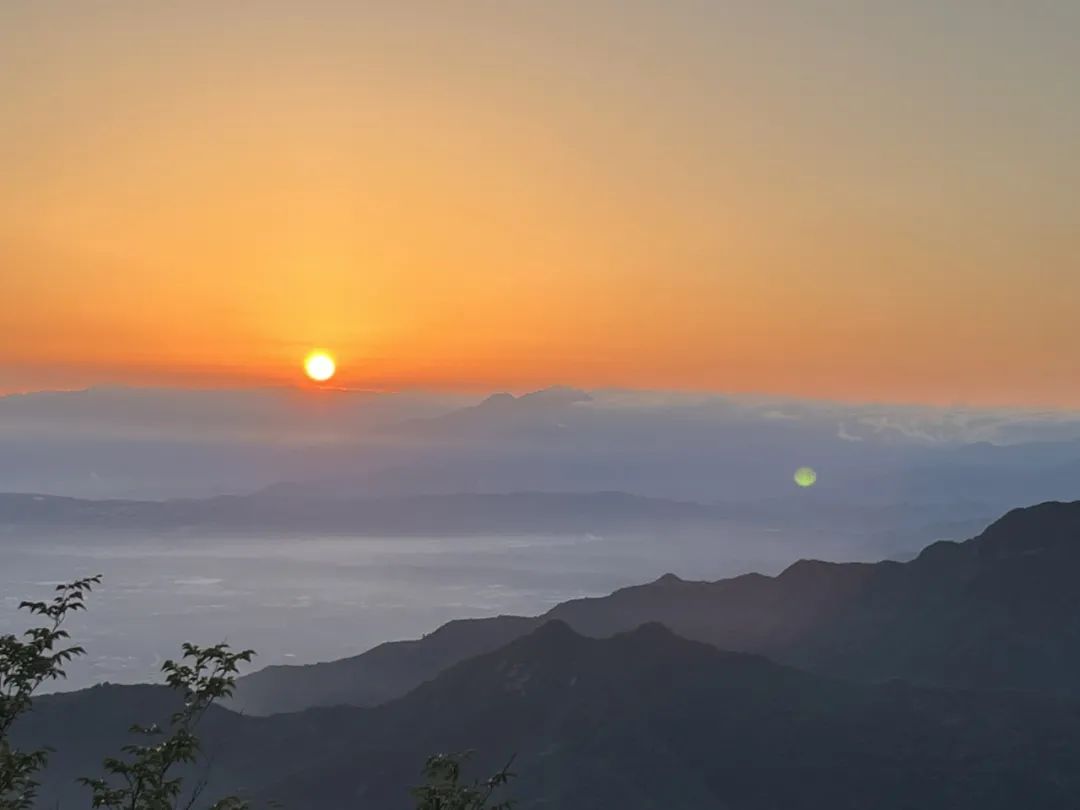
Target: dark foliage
(145, 778)
(26, 663)
(445, 790)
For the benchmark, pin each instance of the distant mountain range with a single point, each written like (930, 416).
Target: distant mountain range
(1001, 610)
(290, 510)
(133, 443)
(949, 681)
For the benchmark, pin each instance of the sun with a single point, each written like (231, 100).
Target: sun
(319, 366)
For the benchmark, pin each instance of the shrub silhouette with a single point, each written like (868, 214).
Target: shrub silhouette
(27, 662)
(444, 790)
(142, 779)
(144, 776)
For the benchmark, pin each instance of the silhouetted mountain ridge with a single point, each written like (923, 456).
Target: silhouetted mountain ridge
(998, 611)
(381, 674)
(643, 719)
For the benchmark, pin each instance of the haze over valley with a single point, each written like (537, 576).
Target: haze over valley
(391, 514)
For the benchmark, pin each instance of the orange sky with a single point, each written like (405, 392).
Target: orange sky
(686, 195)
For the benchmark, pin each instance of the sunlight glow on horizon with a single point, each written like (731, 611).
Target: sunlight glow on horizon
(730, 197)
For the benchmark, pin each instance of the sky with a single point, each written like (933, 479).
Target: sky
(844, 200)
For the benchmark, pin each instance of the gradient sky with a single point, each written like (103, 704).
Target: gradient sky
(858, 200)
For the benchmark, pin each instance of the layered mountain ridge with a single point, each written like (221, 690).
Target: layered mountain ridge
(998, 611)
(945, 682)
(643, 719)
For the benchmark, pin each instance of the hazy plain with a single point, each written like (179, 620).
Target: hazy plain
(318, 598)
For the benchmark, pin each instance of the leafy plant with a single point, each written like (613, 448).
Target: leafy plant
(26, 662)
(146, 776)
(443, 789)
(146, 779)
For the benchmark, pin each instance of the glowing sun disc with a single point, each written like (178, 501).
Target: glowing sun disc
(319, 366)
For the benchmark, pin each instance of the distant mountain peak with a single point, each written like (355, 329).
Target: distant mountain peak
(819, 573)
(557, 395)
(553, 629)
(553, 396)
(543, 641)
(1032, 529)
(1045, 527)
(498, 400)
(669, 579)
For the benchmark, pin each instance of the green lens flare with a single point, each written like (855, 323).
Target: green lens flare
(805, 476)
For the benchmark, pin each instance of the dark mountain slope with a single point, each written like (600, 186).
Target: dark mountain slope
(640, 720)
(382, 673)
(999, 611)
